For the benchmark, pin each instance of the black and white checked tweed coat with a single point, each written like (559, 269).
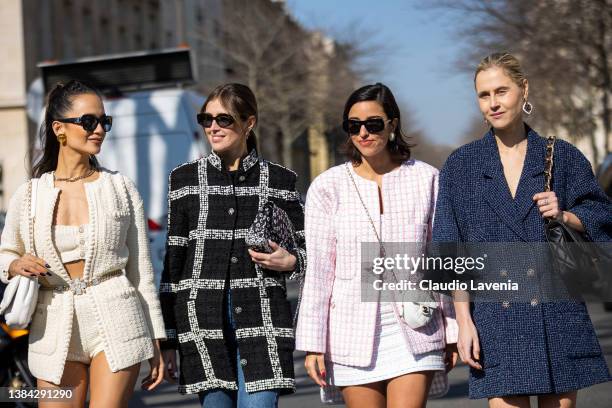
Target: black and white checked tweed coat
(209, 213)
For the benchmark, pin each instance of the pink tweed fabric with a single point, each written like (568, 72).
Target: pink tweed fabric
(332, 318)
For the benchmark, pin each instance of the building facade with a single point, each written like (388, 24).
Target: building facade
(34, 31)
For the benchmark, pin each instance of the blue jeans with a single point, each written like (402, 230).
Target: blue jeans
(218, 398)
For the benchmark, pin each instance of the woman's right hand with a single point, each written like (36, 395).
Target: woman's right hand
(29, 266)
(315, 367)
(468, 344)
(170, 369)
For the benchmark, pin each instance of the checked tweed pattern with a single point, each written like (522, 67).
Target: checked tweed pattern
(210, 213)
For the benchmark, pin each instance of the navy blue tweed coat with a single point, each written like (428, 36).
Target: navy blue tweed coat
(526, 347)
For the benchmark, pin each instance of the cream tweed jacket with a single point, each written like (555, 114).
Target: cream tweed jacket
(127, 307)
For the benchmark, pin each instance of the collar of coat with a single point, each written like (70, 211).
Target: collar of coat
(534, 159)
(513, 211)
(246, 162)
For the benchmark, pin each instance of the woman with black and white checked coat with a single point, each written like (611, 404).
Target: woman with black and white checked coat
(225, 305)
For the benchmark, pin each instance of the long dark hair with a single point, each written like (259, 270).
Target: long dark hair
(240, 101)
(400, 147)
(59, 102)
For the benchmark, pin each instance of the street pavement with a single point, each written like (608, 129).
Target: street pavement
(307, 395)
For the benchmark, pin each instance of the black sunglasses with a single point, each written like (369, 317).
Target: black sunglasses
(223, 120)
(90, 122)
(374, 125)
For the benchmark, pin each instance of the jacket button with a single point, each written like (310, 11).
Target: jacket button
(125, 295)
(81, 230)
(534, 302)
(503, 272)
(333, 305)
(231, 211)
(82, 242)
(241, 178)
(530, 272)
(238, 310)
(234, 259)
(243, 362)
(505, 304)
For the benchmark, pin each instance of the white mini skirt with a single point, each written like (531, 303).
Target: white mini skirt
(391, 356)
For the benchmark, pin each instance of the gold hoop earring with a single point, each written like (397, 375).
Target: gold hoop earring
(61, 138)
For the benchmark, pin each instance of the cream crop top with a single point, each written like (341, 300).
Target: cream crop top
(70, 241)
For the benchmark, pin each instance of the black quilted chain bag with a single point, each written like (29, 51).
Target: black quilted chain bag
(271, 223)
(577, 260)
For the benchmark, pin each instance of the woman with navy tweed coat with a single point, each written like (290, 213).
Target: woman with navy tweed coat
(491, 191)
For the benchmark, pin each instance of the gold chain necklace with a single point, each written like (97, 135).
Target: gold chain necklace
(77, 178)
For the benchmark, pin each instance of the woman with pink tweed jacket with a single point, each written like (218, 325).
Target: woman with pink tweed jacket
(362, 347)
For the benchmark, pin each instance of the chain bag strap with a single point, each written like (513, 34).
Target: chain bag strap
(548, 162)
(32, 198)
(413, 314)
(574, 255)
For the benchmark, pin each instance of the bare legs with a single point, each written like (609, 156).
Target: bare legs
(107, 389)
(406, 391)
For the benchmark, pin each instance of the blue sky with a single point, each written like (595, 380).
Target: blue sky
(419, 65)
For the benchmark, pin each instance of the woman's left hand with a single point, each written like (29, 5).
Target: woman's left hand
(548, 205)
(279, 260)
(156, 375)
(451, 355)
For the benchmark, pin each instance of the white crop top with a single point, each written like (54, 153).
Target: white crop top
(70, 241)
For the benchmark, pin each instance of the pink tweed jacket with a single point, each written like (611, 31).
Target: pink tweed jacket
(332, 318)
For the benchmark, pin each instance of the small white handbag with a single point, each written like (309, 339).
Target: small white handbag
(21, 294)
(416, 314)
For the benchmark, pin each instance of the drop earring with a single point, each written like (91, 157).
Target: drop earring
(61, 138)
(392, 137)
(527, 108)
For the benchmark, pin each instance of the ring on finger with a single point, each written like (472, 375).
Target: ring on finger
(545, 201)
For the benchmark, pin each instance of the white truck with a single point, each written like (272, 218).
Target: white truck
(153, 132)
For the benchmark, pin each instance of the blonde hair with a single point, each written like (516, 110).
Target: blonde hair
(506, 61)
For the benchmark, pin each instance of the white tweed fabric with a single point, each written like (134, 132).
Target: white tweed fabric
(70, 241)
(85, 341)
(126, 307)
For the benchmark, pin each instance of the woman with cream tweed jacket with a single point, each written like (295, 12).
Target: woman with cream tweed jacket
(126, 306)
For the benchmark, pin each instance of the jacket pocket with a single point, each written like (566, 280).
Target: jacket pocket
(117, 225)
(127, 315)
(579, 337)
(44, 329)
